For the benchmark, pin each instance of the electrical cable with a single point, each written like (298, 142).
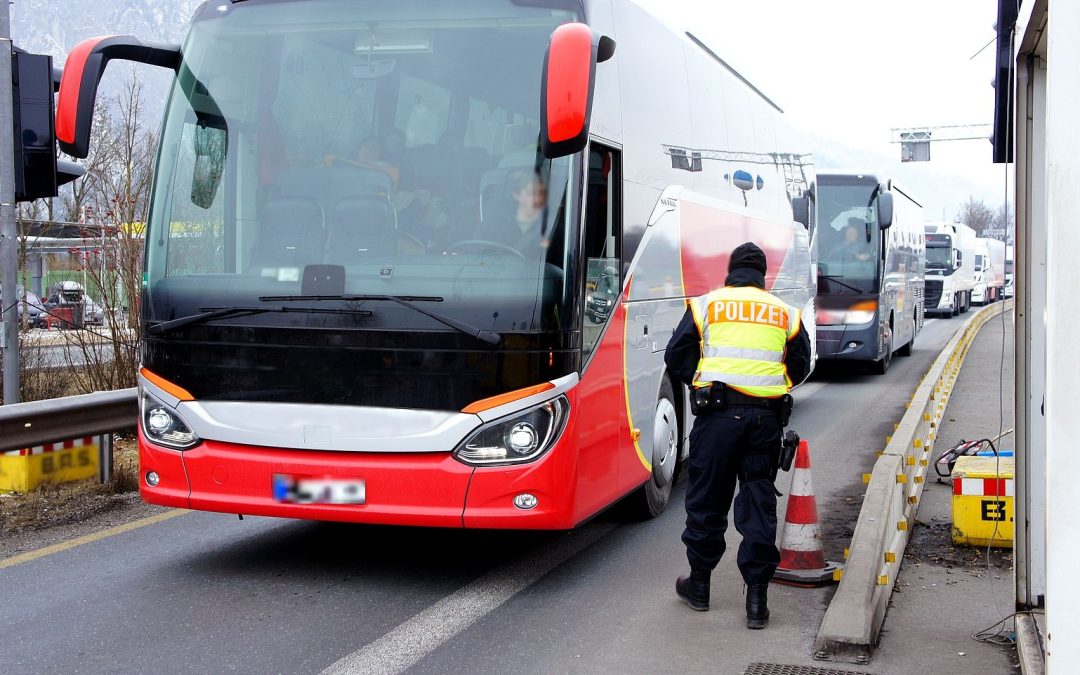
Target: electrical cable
(999, 633)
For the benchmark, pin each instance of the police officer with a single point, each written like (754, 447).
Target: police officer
(740, 349)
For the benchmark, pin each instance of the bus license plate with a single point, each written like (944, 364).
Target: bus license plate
(297, 490)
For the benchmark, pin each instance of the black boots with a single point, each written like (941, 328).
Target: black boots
(757, 606)
(694, 589)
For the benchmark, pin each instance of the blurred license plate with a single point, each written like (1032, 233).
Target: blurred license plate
(298, 490)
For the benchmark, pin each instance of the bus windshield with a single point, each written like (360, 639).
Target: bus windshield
(849, 238)
(329, 150)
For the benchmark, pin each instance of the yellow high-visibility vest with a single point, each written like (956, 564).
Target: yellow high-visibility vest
(744, 334)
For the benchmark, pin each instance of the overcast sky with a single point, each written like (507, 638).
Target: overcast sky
(850, 70)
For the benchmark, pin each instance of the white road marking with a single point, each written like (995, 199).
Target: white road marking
(425, 632)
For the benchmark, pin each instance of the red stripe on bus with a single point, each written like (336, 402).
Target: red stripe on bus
(715, 233)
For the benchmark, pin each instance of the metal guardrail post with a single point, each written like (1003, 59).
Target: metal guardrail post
(105, 458)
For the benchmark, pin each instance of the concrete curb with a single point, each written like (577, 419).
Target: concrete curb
(853, 620)
(1028, 645)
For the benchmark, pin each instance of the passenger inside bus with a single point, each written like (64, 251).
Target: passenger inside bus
(369, 156)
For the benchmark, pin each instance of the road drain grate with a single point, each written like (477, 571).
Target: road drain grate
(782, 669)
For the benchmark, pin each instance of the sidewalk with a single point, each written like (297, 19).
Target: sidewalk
(945, 593)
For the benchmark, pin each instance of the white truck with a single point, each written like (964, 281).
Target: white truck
(989, 271)
(1008, 291)
(950, 268)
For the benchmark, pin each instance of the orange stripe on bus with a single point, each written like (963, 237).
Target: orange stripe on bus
(166, 386)
(509, 397)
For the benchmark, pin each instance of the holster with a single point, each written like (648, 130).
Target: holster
(784, 405)
(788, 446)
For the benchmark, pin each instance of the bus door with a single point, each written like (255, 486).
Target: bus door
(600, 422)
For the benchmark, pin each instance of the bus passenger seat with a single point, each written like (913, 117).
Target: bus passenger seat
(290, 237)
(361, 229)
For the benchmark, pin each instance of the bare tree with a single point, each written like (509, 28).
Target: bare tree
(77, 194)
(117, 198)
(1003, 221)
(977, 215)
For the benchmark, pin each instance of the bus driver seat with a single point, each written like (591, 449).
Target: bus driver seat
(361, 229)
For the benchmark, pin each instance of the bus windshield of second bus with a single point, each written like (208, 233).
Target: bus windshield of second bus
(849, 240)
(320, 156)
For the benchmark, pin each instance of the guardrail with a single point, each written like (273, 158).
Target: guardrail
(24, 425)
(853, 620)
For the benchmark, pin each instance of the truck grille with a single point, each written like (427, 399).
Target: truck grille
(933, 293)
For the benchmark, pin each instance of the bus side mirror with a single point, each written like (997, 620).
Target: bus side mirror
(800, 210)
(566, 93)
(82, 72)
(885, 210)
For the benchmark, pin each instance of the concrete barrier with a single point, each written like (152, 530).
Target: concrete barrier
(853, 620)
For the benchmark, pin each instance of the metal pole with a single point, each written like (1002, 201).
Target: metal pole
(105, 458)
(9, 252)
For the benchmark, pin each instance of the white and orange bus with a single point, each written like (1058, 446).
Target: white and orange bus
(416, 262)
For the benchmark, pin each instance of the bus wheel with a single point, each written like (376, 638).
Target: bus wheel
(652, 497)
(881, 366)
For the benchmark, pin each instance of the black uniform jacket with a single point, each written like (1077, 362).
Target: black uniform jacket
(684, 350)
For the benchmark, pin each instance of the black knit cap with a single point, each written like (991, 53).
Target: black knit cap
(747, 255)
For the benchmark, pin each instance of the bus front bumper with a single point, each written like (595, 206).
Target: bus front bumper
(850, 343)
(418, 489)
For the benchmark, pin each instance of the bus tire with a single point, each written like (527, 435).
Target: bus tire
(881, 366)
(652, 498)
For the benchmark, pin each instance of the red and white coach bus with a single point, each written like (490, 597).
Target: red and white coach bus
(372, 295)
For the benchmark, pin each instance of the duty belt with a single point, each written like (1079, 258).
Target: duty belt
(716, 396)
(739, 399)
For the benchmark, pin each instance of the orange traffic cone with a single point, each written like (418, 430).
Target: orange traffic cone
(802, 558)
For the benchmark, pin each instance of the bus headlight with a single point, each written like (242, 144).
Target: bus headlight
(860, 312)
(852, 317)
(521, 437)
(164, 426)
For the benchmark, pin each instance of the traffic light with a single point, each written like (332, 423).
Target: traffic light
(38, 174)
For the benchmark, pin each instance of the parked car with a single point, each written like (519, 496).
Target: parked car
(30, 303)
(93, 313)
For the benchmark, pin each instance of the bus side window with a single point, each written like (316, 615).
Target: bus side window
(603, 241)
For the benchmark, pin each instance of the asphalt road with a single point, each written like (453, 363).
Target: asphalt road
(207, 593)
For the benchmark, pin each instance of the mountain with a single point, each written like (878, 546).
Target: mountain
(55, 26)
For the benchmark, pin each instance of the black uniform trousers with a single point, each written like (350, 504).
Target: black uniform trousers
(734, 444)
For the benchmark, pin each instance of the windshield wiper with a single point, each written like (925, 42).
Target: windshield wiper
(220, 312)
(490, 337)
(835, 278)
